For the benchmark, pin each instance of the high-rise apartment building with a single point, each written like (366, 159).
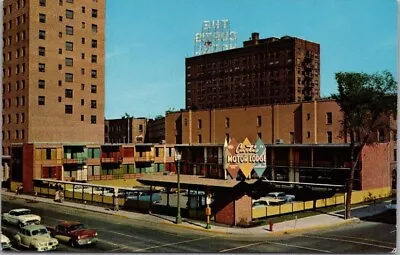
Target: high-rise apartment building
(263, 71)
(53, 71)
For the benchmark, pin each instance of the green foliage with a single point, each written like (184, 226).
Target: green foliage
(127, 116)
(365, 100)
(158, 117)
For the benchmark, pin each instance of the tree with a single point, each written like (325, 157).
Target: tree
(126, 116)
(367, 102)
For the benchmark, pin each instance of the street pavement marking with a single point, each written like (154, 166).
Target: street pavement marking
(361, 239)
(171, 244)
(346, 241)
(282, 244)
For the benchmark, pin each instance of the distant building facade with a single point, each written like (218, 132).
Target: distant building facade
(125, 130)
(263, 71)
(156, 131)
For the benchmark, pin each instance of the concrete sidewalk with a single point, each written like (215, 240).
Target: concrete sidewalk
(295, 225)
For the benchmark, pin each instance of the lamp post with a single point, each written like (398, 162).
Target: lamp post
(178, 156)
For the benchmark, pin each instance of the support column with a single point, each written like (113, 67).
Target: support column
(272, 164)
(291, 169)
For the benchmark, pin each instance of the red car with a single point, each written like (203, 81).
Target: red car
(74, 233)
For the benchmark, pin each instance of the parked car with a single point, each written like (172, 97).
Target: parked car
(392, 205)
(267, 201)
(36, 237)
(20, 217)
(155, 197)
(73, 233)
(195, 192)
(5, 242)
(282, 195)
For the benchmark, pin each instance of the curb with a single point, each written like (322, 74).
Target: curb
(197, 228)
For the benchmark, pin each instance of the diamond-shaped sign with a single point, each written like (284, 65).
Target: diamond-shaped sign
(233, 170)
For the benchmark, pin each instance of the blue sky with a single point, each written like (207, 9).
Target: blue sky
(147, 42)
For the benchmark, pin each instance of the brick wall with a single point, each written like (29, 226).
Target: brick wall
(243, 208)
(375, 171)
(224, 208)
(27, 168)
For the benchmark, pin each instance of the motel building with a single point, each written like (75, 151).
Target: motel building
(231, 155)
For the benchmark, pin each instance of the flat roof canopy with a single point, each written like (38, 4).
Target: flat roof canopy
(189, 181)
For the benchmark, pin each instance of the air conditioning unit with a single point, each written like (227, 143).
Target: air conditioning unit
(279, 141)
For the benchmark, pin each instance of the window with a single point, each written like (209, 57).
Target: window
(69, 30)
(68, 109)
(17, 118)
(69, 77)
(93, 104)
(199, 123)
(41, 100)
(17, 101)
(69, 93)
(199, 138)
(381, 135)
(394, 154)
(94, 73)
(82, 101)
(42, 34)
(94, 58)
(59, 51)
(93, 119)
(22, 117)
(329, 134)
(69, 14)
(22, 100)
(227, 122)
(42, 51)
(59, 99)
(83, 9)
(83, 24)
(22, 134)
(42, 2)
(94, 43)
(94, 13)
(69, 61)
(59, 82)
(16, 134)
(328, 118)
(227, 137)
(83, 56)
(93, 89)
(308, 134)
(82, 71)
(259, 121)
(82, 86)
(42, 18)
(41, 84)
(60, 18)
(42, 67)
(60, 34)
(83, 40)
(395, 135)
(69, 46)
(308, 116)
(82, 117)
(259, 135)
(94, 28)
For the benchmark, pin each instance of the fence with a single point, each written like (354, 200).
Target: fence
(339, 199)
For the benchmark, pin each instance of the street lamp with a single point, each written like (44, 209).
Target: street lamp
(178, 156)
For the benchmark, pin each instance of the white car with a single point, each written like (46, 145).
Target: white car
(36, 237)
(281, 195)
(20, 217)
(5, 242)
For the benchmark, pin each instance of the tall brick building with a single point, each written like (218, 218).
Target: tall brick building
(263, 71)
(53, 71)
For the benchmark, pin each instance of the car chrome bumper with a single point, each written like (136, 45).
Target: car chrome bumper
(5, 246)
(87, 241)
(48, 248)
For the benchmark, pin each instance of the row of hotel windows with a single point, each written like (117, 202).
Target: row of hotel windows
(69, 77)
(259, 134)
(41, 85)
(69, 30)
(19, 134)
(69, 46)
(68, 108)
(43, 4)
(19, 4)
(18, 102)
(259, 120)
(18, 118)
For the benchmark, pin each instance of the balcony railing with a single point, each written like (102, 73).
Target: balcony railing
(144, 158)
(111, 160)
(74, 160)
(324, 164)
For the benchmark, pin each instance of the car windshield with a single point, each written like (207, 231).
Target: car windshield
(75, 227)
(24, 212)
(40, 231)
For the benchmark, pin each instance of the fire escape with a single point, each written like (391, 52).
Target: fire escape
(308, 77)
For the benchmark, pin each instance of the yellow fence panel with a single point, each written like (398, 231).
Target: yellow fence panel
(121, 201)
(259, 212)
(108, 200)
(272, 210)
(308, 205)
(320, 203)
(298, 206)
(67, 194)
(97, 198)
(286, 208)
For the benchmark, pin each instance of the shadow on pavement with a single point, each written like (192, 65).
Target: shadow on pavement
(388, 217)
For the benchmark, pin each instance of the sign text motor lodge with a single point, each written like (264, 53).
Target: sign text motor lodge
(246, 157)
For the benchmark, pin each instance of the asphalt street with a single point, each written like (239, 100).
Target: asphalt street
(119, 235)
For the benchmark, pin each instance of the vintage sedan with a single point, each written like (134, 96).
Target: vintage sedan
(36, 237)
(74, 233)
(21, 217)
(5, 242)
